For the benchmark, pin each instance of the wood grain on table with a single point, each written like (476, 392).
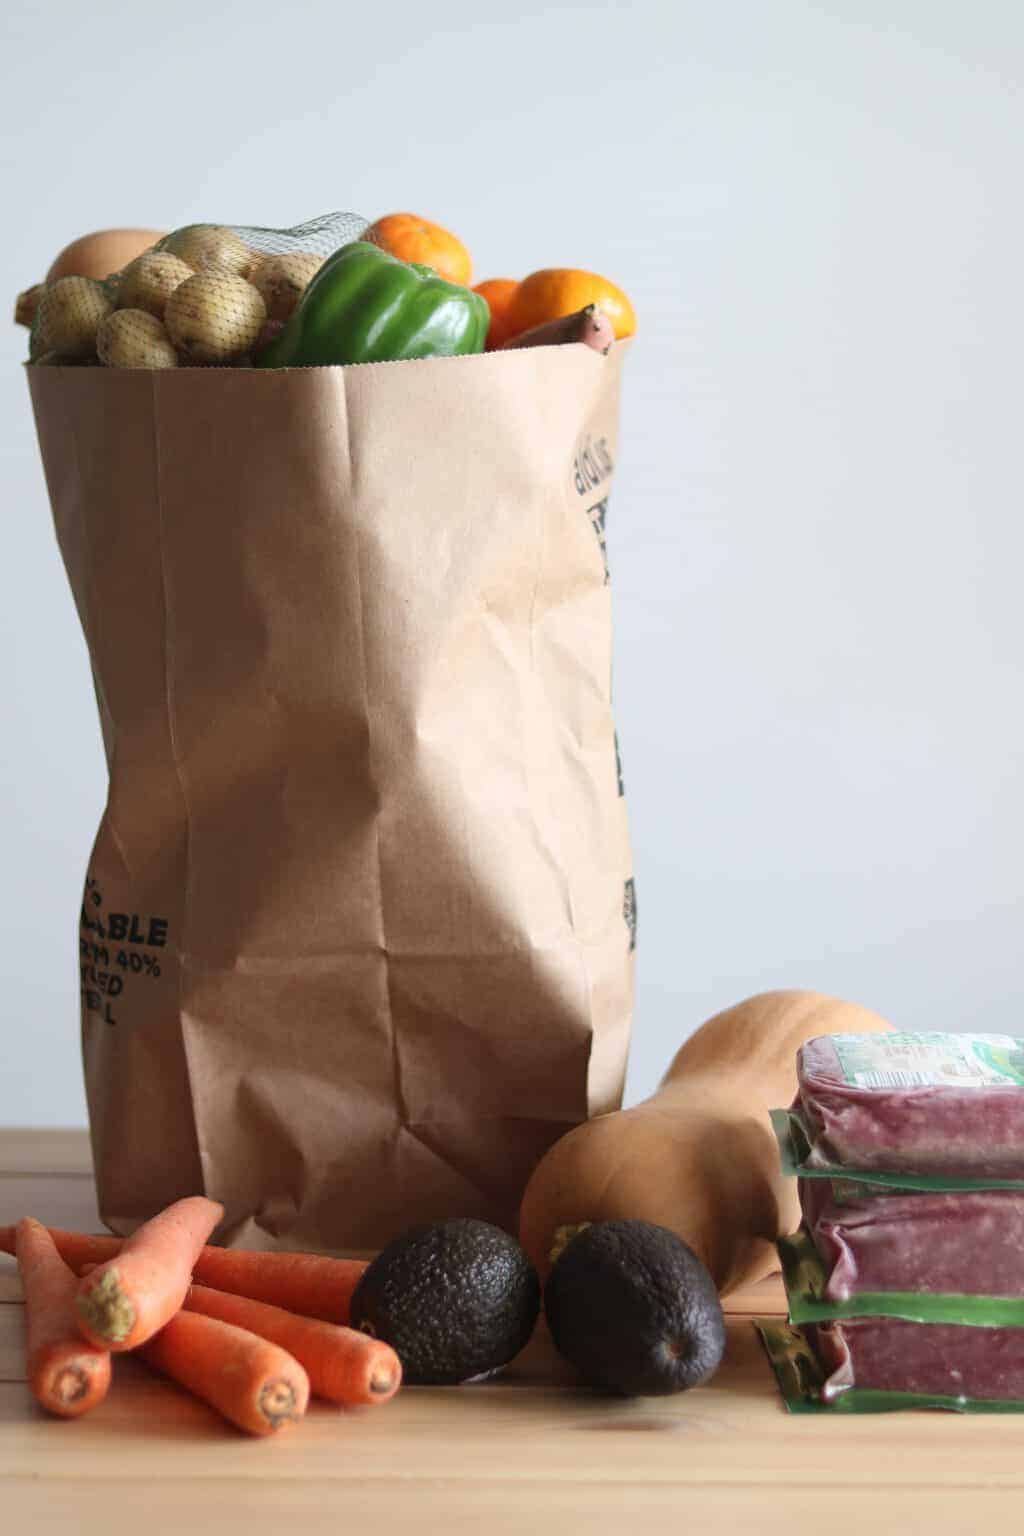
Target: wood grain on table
(530, 1452)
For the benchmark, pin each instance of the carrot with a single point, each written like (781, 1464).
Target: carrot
(310, 1284)
(254, 1383)
(75, 1248)
(343, 1365)
(125, 1301)
(66, 1375)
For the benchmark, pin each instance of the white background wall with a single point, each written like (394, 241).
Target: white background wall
(815, 532)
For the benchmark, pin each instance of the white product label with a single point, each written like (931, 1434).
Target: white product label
(930, 1060)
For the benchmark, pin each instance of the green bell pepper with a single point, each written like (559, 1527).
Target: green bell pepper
(366, 306)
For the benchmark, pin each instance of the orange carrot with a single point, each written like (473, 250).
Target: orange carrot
(75, 1248)
(310, 1284)
(66, 1375)
(125, 1301)
(252, 1382)
(343, 1365)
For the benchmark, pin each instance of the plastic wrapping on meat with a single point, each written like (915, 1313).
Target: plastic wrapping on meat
(942, 1359)
(955, 1243)
(915, 1103)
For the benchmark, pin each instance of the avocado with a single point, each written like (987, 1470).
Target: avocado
(455, 1300)
(634, 1309)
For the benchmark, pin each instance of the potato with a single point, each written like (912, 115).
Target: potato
(282, 280)
(214, 316)
(148, 281)
(134, 338)
(211, 245)
(27, 303)
(68, 317)
(54, 360)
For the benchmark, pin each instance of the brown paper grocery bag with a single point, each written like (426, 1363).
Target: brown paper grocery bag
(357, 931)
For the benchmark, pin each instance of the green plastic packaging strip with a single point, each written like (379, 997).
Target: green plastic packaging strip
(795, 1148)
(805, 1278)
(800, 1380)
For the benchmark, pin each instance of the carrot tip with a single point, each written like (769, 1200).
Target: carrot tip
(277, 1403)
(106, 1310)
(381, 1383)
(70, 1385)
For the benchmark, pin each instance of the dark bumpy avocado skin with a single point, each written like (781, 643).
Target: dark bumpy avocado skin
(454, 1300)
(634, 1309)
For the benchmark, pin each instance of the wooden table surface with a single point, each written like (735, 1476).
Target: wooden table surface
(531, 1452)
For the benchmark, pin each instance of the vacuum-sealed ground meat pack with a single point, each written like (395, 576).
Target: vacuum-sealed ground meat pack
(875, 1365)
(961, 1243)
(915, 1103)
(884, 1354)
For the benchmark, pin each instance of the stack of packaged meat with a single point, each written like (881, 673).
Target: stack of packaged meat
(905, 1282)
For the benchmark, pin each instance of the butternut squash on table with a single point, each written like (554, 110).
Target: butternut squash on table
(699, 1156)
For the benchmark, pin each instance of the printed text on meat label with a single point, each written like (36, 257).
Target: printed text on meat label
(114, 953)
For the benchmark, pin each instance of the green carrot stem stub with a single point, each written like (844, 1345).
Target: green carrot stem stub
(105, 1308)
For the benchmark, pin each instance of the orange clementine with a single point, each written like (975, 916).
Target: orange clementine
(411, 238)
(558, 291)
(499, 293)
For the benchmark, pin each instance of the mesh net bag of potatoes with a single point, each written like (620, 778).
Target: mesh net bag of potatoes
(204, 295)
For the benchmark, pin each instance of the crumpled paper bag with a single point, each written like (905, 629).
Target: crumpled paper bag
(357, 930)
